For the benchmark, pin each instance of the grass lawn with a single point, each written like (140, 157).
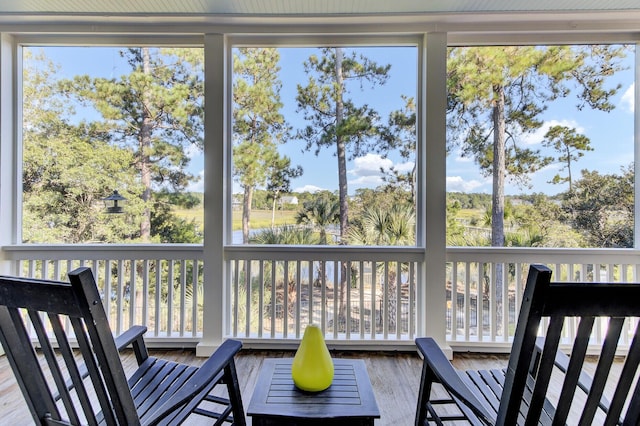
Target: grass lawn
(259, 218)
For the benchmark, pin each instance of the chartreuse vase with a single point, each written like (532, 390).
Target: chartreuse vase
(312, 368)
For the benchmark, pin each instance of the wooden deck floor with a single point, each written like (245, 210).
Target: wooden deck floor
(395, 378)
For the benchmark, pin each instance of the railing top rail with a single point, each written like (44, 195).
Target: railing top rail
(319, 253)
(543, 255)
(327, 253)
(102, 251)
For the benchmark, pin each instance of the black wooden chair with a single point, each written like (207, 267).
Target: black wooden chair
(64, 386)
(520, 394)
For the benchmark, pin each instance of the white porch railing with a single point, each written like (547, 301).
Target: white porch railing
(482, 305)
(357, 295)
(353, 293)
(159, 286)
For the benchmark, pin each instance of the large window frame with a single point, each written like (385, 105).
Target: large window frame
(313, 41)
(23, 41)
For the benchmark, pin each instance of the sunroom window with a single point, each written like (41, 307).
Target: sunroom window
(324, 145)
(541, 146)
(96, 120)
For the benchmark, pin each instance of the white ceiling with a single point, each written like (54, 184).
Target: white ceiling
(304, 7)
(188, 17)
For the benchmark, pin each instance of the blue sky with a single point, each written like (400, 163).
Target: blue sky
(611, 133)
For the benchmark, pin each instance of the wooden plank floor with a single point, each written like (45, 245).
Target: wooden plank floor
(395, 377)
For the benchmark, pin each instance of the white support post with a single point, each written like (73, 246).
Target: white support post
(215, 126)
(636, 148)
(433, 301)
(9, 171)
(8, 152)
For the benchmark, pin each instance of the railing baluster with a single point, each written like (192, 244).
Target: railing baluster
(361, 308)
(234, 270)
(323, 297)
(119, 304)
(260, 297)
(145, 293)
(337, 282)
(453, 305)
(274, 296)
(183, 296)
(504, 308)
(247, 303)
(133, 299)
(158, 313)
(385, 311)
(298, 298)
(374, 302)
(348, 302)
(412, 300)
(285, 299)
(106, 298)
(467, 300)
(195, 294)
(310, 319)
(398, 312)
(170, 298)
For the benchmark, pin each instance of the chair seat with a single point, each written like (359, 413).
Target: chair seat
(487, 385)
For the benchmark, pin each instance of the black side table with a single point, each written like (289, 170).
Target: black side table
(349, 401)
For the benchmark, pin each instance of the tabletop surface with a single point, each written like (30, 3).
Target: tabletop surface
(349, 396)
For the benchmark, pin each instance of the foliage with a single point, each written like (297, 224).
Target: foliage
(334, 119)
(155, 111)
(169, 228)
(570, 145)
(286, 234)
(496, 94)
(258, 126)
(601, 207)
(319, 212)
(384, 227)
(400, 134)
(279, 181)
(68, 169)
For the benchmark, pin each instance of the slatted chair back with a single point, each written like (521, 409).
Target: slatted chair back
(59, 386)
(549, 305)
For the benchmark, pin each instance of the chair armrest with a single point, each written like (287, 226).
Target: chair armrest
(134, 335)
(205, 375)
(448, 376)
(125, 339)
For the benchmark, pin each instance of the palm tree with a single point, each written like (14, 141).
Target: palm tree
(320, 213)
(286, 234)
(389, 227)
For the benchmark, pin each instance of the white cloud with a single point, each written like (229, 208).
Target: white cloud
(405, 167)
(308, 188)
(199, 185)
(370, 169)
(193, 151)
(370, 165)
(366, 181)
(628, 98)
(538, 136)
(458, 184)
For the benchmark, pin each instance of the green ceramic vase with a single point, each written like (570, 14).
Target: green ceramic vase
(312, 368)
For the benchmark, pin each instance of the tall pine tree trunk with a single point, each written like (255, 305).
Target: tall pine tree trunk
(342, 179)
(499, 169)
(145, 161)
(246, 213)
(497, 211)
